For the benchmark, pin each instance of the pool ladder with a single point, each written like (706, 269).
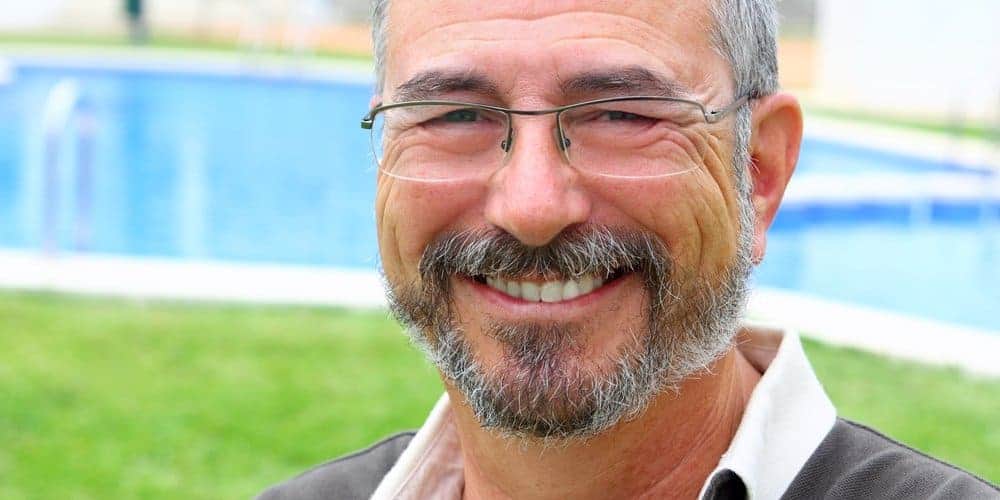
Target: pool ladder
(66, 102)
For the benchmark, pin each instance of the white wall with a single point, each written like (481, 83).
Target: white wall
(21, 15)
(106, 15)
(912, 57)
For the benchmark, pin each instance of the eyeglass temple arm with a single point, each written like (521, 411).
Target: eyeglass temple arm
(369, 119)
(714, 116)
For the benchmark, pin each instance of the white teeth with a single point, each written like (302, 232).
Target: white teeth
(547, 291)
(570, 290)
(530, 292)
(552, 291)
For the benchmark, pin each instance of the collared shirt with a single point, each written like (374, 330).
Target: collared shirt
(786, 419)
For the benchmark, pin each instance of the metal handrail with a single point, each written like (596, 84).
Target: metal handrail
(6, 72)
(64, 103)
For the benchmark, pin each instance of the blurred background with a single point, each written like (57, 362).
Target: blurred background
(189, 297)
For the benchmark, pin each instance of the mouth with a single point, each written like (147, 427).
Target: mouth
(549, 290)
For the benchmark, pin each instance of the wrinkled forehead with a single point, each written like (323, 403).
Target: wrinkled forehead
(528, 47)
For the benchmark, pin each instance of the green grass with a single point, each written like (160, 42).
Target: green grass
(107, 399)
(160, 41)
(940, 411)
(121, 399)
(973, 130)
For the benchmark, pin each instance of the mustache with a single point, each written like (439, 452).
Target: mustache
(586, 249)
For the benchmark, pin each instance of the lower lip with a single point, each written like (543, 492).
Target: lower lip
(494, 296)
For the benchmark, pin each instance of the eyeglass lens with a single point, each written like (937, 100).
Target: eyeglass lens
(631, 138)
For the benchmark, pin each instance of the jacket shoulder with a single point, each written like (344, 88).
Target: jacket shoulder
(855, 461)
(353, 476)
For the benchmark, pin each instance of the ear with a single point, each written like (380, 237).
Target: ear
(374, 101)
(774, 151)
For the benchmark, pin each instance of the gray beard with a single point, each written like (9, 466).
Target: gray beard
(544, 386)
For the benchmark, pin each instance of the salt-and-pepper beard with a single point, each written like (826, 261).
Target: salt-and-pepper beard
(544, 386)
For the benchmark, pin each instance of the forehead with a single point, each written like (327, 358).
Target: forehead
(527, 44)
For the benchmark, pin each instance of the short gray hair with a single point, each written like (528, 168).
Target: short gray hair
(745, 34)
(380, 36)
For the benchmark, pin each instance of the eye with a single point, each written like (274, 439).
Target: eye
(449, 120)
(624, 115)
(456, 118)
(461, 115)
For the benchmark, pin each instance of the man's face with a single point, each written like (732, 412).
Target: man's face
(540, 223)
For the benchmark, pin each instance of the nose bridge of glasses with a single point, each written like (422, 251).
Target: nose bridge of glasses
(562, 142)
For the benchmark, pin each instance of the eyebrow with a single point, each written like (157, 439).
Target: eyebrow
(433, 84)
(633, 80)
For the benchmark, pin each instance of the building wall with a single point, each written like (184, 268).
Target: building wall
(911, 57)
(21, 15)
(177, 15)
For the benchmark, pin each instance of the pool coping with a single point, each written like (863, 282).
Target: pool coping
(900, 336)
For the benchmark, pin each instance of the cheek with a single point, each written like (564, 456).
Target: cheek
(693, 213)
(385, 225)
(711, 200)
(410, 215)
(708, 236)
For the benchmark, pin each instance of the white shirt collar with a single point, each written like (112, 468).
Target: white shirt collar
(787, 417)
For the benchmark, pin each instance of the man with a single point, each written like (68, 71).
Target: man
(570, 199)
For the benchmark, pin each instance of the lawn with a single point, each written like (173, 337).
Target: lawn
(168, 42)
(123, 399)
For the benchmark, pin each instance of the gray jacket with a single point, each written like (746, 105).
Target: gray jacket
(852, 462)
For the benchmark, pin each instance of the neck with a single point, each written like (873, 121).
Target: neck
(667, 452)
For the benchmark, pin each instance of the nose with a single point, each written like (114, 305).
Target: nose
(536, 195)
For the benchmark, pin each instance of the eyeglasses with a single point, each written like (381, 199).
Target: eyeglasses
(623, 137)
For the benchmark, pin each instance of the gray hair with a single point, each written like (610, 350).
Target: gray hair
(545, 385)
(380, 37)
(745, 34)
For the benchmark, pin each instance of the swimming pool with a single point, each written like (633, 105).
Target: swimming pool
(247, 167)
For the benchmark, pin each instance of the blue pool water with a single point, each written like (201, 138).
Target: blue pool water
(262, 169)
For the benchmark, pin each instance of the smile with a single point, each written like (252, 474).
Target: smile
(549, 291)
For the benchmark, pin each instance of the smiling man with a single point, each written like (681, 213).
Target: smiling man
(571, 196)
